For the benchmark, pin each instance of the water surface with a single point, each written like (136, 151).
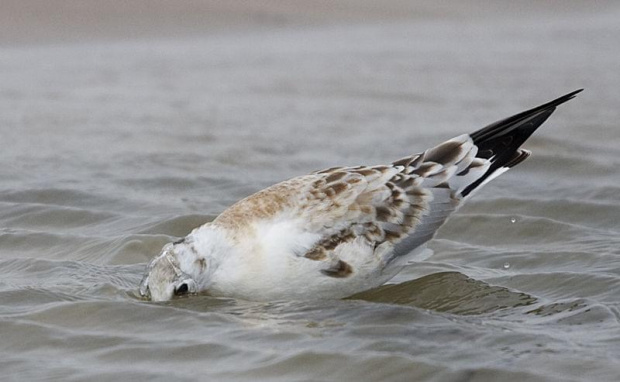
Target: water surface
(112, 148)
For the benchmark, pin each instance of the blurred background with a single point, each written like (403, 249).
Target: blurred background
(125, 124)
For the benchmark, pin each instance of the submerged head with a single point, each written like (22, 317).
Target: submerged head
(177, 271)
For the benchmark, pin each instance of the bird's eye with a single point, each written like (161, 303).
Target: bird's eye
(181, 290)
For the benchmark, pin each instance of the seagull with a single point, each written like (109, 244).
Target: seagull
(339, 231)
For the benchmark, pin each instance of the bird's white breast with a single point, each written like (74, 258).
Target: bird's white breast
(268, 264)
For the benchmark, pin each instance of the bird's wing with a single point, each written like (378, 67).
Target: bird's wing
(393, 208)
(398, 206)
(402, 205)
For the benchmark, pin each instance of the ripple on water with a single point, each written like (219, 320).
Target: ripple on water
(137, 143)
(449, 292)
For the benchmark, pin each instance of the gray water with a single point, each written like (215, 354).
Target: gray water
(110, 148)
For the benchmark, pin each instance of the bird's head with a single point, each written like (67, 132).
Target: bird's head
(177, 271)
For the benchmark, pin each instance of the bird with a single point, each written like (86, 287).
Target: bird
(339, 231)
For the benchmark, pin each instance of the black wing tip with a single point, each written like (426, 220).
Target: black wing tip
(519, 156)
(502, 126)
(500, 142)
(564, 98)
(574, 93)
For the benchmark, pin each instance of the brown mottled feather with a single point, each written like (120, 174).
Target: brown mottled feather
(370, 205)
(340, 270)
(264, 204)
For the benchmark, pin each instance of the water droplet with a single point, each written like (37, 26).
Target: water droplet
(506, 265)
(513, 220)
